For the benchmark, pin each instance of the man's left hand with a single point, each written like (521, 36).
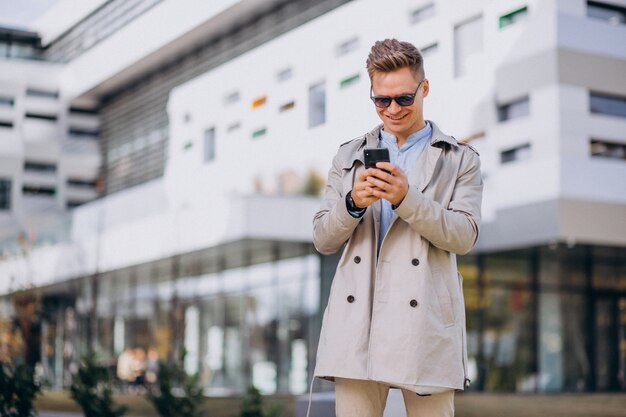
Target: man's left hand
(391, 186)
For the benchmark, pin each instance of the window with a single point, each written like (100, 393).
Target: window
(515, 154)
(604, 149)
(209, 145)
(78, 110)
(429, 49)
(514, 109)
(287, 106)
(5, 194)
(36, 190)
(80, 183)
(259, 132)
(74, 203)
(40, 167)
(7, 102)
(83, 133)
(347, 46)
(422, 13)
(607, 104)
(513, 17)
(284, 75)
(468, 42)
(348, 81)
(48, 117)
(258, 102)
(610, 13)
(33, 92)
(317, 104)
(233, 126)
(232, 97)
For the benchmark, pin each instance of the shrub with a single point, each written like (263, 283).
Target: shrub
(252, 405)
(91, 389)
(175, 394)
(18, 390)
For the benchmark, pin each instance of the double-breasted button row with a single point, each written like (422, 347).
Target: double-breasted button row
(357, 259)
(415, 261)
(350, 298)
(413, 303)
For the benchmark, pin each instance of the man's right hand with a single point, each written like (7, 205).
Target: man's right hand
(361, 197)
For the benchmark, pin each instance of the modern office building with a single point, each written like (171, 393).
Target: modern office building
(206, 130)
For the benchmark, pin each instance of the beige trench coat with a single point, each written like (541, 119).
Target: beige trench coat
(400, 318)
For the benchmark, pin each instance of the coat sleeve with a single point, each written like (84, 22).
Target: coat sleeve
(332, 224)
(453, 228)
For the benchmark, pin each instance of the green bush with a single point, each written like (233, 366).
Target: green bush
(252, 405)
(91, 389)
(175, 394)
(18, 390)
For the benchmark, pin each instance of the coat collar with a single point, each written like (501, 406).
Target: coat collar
(370, 140)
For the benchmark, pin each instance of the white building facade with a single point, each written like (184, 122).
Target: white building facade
(214, 131)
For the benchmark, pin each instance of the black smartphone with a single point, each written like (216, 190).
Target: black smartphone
(373, 155)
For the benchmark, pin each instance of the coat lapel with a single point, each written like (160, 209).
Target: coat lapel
(423, 169)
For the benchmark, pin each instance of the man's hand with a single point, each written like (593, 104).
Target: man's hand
(391, 186)
(361, 196)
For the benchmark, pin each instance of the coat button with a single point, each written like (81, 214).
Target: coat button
(351, 299)
(357, 259)
(415, 261)
(413, 303)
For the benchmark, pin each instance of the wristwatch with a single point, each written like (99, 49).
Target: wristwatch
(353, 209)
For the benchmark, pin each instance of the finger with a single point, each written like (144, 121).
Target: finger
(378, 183)
(387, 166)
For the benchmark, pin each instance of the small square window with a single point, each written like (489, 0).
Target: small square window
(348, 46)
(613, 14)
(348, 81)
(259, 132)
(607, 104)
(514, 109)
(284, 75)
(515, 154)
(423, 13)
(513, 17)
(258, 102)
(232, 97)
(605, 149)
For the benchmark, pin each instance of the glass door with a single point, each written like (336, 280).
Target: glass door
(610, 352)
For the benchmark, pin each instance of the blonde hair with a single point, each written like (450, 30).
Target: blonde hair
(391, 54)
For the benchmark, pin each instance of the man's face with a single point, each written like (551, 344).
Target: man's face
(398, 120)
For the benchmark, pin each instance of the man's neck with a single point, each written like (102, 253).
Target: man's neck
(401, 139)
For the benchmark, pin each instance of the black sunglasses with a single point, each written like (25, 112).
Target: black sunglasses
(403, 100)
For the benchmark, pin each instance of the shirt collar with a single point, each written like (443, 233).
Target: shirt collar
(422, 134)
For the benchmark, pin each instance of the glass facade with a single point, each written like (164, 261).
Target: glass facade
(547, 319)
(100, 24)
(542, 319)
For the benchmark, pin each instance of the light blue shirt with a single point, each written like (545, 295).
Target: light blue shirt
(404, 157)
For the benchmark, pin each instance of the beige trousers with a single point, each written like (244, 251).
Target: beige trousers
(360, 398)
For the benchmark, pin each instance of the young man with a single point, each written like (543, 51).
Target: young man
(395, 315)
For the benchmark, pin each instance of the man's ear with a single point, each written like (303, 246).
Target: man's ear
(426, 87)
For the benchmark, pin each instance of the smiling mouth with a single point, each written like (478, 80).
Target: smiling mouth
(396, 118)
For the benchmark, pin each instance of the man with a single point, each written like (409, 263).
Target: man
(395, 315)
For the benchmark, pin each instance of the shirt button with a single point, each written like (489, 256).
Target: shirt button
(357, 259)
(415, 261)
(413, 303)
(351, 299)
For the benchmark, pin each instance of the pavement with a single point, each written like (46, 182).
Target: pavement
(467, 405)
